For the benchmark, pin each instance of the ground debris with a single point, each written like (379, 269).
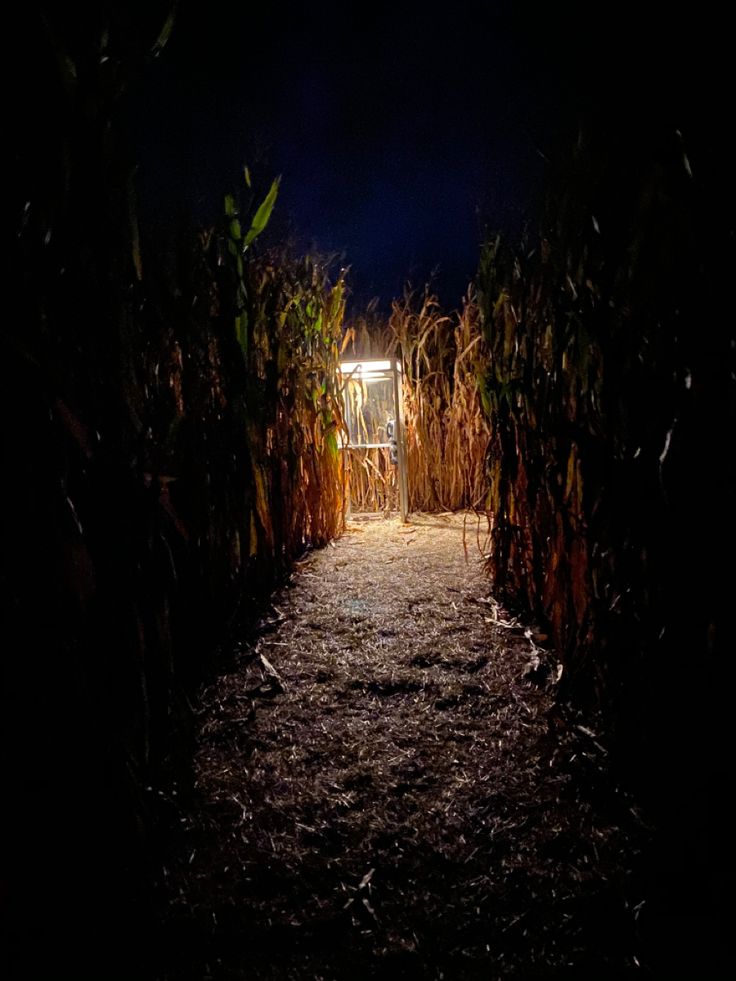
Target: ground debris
(385, 794)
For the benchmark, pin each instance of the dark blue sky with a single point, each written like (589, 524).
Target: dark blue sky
(400, 132)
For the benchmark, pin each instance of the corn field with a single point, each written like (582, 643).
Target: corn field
(174, 427)
(607, 404)
(174, 449)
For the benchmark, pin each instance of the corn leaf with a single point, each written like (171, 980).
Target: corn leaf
(263, 214)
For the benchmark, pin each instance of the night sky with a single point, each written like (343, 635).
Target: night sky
(400, 133)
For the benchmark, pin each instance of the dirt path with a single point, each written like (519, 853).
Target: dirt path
(383, 792)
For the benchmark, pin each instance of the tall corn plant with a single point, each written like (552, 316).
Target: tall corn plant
(93, 552)
(287, 319)
(542, 393)
(446, 429)
(296, 317)
(607, 404)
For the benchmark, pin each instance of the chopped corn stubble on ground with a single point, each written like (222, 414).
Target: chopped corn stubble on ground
(384, 787)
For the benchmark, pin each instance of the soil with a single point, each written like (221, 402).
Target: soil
(385, 787)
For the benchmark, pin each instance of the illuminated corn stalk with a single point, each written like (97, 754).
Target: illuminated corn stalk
(541, 381)
(296, 316)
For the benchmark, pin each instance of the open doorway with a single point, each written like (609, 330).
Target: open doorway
(375, 445)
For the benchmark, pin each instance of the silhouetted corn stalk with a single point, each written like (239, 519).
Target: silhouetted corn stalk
(174, 448)
(606, 402)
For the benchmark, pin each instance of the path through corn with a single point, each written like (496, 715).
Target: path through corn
(384, 789)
